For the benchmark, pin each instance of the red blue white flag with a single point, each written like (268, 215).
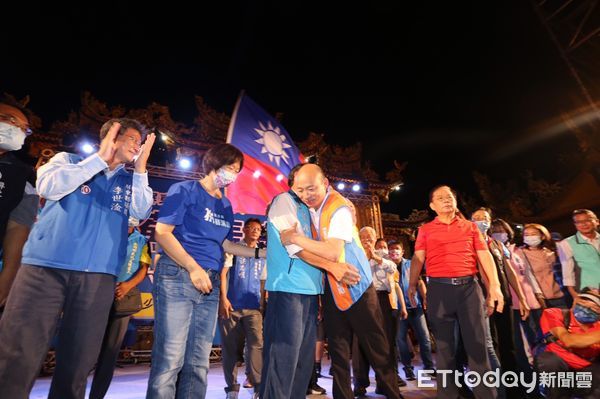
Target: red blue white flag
(269, 155)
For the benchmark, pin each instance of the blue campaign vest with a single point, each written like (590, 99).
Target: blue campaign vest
(587, 260)
(85, 230)
(243, 290)
(287, 274)
(135, 245)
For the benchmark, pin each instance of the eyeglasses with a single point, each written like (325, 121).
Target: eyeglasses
(583, 221)
(133, 140)
(15, 122)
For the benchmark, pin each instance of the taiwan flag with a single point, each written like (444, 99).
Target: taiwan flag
(269, 155)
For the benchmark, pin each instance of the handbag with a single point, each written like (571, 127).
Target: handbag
(131, 303)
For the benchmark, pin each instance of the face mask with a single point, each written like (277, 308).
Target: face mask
(395, 253)
(532, 241)
(224, 177)
(585, 315)
(502, 237)
(483, 225)
(381, 252)
(11, 137)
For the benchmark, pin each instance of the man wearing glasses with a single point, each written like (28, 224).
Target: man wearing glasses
(71, 259)
(580, 253)
(18, 200)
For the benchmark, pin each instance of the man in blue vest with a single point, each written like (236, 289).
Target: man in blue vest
(293, 284)
(580, 253)
(240, 312)
(71, 259)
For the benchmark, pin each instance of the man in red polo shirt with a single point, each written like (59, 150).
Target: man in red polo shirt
(574, 346)
(453, 247)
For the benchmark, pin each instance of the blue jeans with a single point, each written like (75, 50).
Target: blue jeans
(289, 345)
(184, 328)
(416, 319)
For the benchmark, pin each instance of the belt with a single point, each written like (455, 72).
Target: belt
(452, 280)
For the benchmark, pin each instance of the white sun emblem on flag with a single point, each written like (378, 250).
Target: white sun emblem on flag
(273, 142)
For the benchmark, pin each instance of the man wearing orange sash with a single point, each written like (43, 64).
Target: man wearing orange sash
(348, 310)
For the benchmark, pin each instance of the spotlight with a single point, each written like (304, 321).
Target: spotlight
(256, 174)
(279, 177)
(356, 187)
(397, 188)
(185, 163)
(341, 186)
(87, 148)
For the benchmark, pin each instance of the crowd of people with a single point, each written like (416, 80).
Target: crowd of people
(488, 298)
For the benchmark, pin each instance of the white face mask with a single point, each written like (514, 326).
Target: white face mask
(224, 177)
(395, 254)
(12, 138)
(502, 237)
(532, 241)
(381, 252)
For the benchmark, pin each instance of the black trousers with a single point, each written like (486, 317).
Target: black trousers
(364, 319)
(360, 363)
(109, 353)
(38, 297)
(552, 363)
(449, 304)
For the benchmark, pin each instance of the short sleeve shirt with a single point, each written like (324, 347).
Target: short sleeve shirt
(553, 317)
(450, 249)
(202, 222)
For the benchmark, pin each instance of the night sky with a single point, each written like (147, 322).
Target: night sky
(446, 86)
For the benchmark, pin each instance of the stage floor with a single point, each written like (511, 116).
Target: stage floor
(130, 382)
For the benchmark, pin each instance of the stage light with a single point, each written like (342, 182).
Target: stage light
(341, 186)
(397, 188)
(279, 177)
(356, 188)
(256, 174)
(185, 163)
(87, 148)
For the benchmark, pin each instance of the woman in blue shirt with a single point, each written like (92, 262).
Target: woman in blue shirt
(192, 227)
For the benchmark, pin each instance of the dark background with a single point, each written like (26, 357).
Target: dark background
(450, 87)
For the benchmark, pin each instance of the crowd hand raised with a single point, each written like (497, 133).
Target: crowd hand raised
(145, 149)
(495, 300)
(201, 280)
(108, 145)
(225, 308)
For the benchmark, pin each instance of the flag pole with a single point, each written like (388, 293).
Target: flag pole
(234, 116)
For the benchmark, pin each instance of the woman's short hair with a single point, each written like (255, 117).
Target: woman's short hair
(221, 155)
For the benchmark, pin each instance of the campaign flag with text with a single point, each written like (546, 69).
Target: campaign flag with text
(269, 155)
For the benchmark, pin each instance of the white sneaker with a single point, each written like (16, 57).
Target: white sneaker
(232, 395)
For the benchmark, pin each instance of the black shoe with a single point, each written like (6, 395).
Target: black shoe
(360, 392)
(401, 382)
(409, 373)
(315, 389)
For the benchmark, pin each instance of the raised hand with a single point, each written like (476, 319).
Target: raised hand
(142, 159)
(108, 145)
